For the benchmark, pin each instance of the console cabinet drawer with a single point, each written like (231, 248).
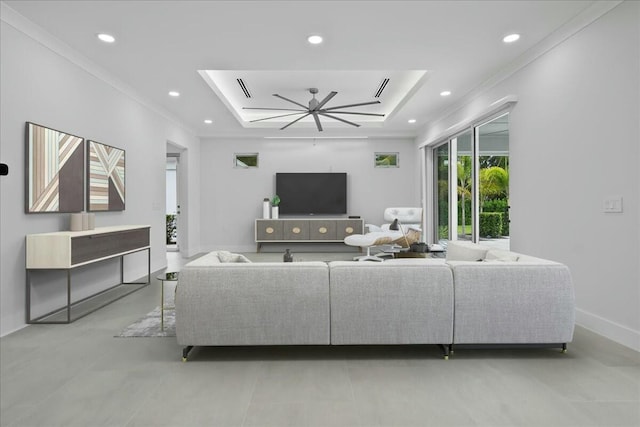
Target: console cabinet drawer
(269, 229)
(87, 248)
(296, 230)
(349, 227)
(322, 230)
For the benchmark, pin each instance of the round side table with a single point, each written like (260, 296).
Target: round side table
(169, 276)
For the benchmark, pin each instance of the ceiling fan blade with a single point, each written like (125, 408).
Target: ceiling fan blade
(325, 100)
(352, 105)
(299, 118)
(315, 117)
(339, 119)
(349, 112)
(293, 102)
(275, 109)
(275, 117)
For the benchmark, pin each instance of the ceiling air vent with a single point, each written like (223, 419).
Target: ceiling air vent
(381, 88)
(244, 88)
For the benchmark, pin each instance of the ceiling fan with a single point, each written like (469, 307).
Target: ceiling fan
(315, 109)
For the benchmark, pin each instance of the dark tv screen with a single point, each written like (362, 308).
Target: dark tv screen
(312, 193)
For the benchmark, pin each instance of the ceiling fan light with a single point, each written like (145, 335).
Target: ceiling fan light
(314, 39)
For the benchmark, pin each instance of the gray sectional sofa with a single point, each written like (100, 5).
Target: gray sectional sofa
(476, 296)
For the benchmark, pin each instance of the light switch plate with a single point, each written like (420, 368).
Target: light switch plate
(613, 204)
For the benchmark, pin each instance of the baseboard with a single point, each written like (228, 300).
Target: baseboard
(4, 334)
(612, 330)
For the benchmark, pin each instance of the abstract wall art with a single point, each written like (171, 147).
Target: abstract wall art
(105, 177)
(54, 171)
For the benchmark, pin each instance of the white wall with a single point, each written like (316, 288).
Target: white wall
(574, 141)
(45, 87)
(232, 198)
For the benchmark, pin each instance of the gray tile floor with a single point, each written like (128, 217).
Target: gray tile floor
(80, 375)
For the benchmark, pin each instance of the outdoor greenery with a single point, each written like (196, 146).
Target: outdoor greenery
(171, 229)
(490, 224)
(494, 196)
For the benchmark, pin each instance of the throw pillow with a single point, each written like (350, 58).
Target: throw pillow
(465, 251)
(226, 256)
(501, 255)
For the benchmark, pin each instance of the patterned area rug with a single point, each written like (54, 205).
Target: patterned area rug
(149, 325)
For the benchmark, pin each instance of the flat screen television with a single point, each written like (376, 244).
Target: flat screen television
(312, 193)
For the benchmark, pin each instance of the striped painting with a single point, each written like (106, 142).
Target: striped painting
(106, 177)
(55, 171)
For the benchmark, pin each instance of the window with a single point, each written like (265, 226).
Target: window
(471, 184)
(245, 160)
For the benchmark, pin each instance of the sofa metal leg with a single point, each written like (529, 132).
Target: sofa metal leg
(564, 347)
(450, 348)
(445, 351)
(185, 352)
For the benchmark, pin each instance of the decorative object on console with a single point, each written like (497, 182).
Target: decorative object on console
(288, 257)
(266, 205)
(105, 177)
(4, 169)
(55, 170)
(75, 222)
(394, 225)
(275, 202)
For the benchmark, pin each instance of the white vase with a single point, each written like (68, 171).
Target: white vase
(274, 212)
(265, 209)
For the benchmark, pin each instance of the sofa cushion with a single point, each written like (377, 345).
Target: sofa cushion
(465, 251)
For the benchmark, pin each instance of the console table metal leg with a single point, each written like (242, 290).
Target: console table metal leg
(28, 296)
(149, 265)
(162, 305)
(69, 296)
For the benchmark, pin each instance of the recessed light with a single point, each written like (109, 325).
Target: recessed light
(174, 93)
(411, 120)
(445, 93)
(511, 38)
(107, 38)
(314, 39)
(208, 121)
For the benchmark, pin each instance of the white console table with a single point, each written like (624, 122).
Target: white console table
(306, 230)
(67, 250)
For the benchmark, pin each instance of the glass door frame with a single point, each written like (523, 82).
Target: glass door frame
(431, 159)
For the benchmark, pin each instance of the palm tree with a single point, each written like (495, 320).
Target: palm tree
(494, 182)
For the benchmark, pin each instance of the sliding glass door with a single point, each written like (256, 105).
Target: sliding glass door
(472, 192)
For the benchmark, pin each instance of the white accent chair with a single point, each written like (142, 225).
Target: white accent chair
(409, 230)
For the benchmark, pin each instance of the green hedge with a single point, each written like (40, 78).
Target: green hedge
(171, 229)
(490, 224)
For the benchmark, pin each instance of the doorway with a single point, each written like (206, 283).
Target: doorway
(172, 210)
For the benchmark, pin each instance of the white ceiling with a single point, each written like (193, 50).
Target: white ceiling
(162, 46)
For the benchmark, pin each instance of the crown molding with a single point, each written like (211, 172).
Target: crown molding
(569, 29)
(57, 46)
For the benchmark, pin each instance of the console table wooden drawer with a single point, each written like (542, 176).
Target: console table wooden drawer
(87, 248)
